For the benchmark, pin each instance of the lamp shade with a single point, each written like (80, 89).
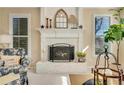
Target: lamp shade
(5, 39)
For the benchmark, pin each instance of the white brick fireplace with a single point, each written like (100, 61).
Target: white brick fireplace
(70, 36)
(52, 35)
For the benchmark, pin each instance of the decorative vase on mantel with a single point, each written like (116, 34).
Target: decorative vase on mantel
(81, 56)
(81, 59)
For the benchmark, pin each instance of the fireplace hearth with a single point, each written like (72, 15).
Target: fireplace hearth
(61, 52)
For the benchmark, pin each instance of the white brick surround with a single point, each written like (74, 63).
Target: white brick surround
(52, 36)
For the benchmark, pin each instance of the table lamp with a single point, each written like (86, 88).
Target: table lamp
(5, 40)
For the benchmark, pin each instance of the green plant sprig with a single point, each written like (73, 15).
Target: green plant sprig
(81, 54)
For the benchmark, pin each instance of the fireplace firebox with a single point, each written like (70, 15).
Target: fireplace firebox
(61, 52)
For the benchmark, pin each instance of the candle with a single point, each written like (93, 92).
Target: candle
(85, 48)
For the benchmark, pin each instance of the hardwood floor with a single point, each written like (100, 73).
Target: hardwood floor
(78, 79)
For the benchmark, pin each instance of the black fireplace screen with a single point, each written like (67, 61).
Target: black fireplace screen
(61, 52)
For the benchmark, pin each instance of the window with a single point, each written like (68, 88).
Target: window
(61, 19)
(20, 33)
(102, 24)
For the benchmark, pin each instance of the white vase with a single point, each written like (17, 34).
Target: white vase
(81, 59)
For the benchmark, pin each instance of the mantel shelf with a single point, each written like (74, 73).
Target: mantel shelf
(59, 30)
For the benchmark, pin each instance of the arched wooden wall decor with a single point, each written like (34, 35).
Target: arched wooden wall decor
(61, 19)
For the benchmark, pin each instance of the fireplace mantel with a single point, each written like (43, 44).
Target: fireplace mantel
(74, 33)
(51, 36)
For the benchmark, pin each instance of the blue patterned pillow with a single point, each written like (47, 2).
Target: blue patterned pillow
(12, 51)
(8, 51)
(21, 52)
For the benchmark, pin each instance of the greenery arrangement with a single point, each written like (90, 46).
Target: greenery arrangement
(81, 54)
(115, 32)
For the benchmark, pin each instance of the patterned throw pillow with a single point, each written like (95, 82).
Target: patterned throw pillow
(21, 52)
(12, 51)
(8, 51)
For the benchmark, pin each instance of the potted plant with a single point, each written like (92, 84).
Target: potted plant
(81, 56)
(115, 32)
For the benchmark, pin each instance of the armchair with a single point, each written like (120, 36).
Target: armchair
(21, 68)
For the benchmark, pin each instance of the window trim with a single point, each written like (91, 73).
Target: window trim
(93, 32)
(11, 16)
